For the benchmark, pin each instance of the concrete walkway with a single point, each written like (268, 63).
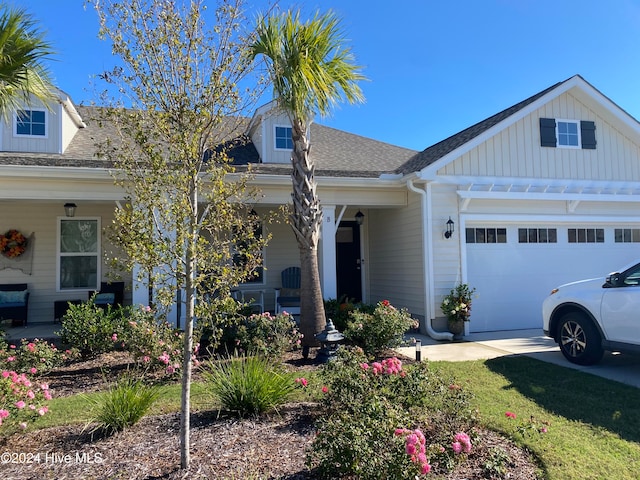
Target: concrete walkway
(624, 368)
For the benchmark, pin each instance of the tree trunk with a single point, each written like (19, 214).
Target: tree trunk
(306, 219)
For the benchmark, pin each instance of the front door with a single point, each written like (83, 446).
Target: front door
(348, 262)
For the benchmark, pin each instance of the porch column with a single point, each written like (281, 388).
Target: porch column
(328, 252)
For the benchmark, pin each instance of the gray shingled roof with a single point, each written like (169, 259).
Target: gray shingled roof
(440, 149)
(336, 153)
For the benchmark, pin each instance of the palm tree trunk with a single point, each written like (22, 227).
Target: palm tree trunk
(306, 219)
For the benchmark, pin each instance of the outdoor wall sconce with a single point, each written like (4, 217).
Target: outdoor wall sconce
(70, 209)
(450, 228)
(359, 218)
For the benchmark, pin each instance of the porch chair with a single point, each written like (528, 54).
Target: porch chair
(288, 297)
(14, 303)
(109, 294)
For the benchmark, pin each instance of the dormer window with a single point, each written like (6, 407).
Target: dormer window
(283, 138)
(31, 123)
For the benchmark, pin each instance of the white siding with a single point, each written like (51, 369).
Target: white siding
(516, 151)
(395, 256)
(271, 155)
(446, 251)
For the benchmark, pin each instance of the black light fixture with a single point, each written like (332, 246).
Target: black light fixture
(70, 209)
(450, 228)
(360, 217)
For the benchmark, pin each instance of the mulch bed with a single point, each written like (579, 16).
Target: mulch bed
(222, 447)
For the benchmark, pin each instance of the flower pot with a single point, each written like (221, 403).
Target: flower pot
(456, 327)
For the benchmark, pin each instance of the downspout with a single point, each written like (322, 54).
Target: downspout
(427, 266)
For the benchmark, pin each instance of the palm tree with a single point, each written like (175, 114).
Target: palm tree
(311, 72)
(22, 50)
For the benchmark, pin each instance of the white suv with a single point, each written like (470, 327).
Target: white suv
(590, 316)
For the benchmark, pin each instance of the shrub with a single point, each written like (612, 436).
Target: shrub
(123, 405)
(35, 357)
(248, 385)
(21, 400)
(365, 405)
(152, 341)
(377, 331)
(340, 311)
(264, 334)
(90, 329)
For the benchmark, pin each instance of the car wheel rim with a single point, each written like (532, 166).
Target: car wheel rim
(573, 339)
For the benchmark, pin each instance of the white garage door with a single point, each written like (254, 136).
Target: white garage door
(513, 267)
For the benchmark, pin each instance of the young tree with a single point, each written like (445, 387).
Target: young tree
(22, 52)
(311, 71)
(186, 223)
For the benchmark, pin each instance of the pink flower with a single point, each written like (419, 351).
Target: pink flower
(385, 303)
(325, 389)
(410, 448)
(457, 448)
(20, 404)
(33, 370)
(31, 346)
(47, 395)
(31, 395)
(114, 337)
(364, 366)
(302, 381)
(510, 415)
(426, 468)
(5, 374)
(10, 359)
(170, 370)
(543, 430)
(4, 413)
(42, 410)
(23, 425)
(13, 347)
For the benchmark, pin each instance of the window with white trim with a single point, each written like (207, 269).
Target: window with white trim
(78, 253)
(563, 133)
(283, 139)
(30, 123)
(568, 133)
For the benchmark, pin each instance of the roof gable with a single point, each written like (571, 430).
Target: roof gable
(435, 157)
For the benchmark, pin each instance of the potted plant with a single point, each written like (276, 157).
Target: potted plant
(457, 308)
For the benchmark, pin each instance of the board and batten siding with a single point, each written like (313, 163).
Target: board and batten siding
(447, 270)
(516, 151)
(41, 219)
(271, 155)
(395, 256)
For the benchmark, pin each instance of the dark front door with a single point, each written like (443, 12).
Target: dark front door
(348, 262)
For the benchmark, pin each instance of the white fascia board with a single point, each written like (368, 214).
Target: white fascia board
(537, 196)
(547, 219)
(72, 173)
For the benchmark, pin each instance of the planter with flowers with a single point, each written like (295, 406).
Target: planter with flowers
(457, 308)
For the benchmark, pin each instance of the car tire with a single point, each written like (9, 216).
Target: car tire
(579, 340)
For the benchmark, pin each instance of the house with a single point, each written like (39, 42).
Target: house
(544, 192)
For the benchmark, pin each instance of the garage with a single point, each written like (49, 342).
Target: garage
(514, 266)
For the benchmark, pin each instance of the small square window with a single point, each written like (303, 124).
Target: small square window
(31, 123)
(568, 133)
(283, 138)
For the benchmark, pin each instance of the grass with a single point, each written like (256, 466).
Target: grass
(594, 430)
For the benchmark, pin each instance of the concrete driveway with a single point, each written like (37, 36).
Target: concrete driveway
(624, 368)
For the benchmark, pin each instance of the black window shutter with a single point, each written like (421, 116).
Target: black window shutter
(588, 133)
(547, 132)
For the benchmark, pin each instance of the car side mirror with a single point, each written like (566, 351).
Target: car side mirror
(613, 280)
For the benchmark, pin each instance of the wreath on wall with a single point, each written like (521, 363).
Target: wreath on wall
(13, 244)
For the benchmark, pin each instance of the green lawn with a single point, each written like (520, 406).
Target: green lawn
(594, 430)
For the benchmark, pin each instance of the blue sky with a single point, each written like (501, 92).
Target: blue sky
(434, 67)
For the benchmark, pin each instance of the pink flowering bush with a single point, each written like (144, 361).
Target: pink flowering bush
(153, 342)
(35, 357)
(21, 399)
(364, 405)
(377, 331)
